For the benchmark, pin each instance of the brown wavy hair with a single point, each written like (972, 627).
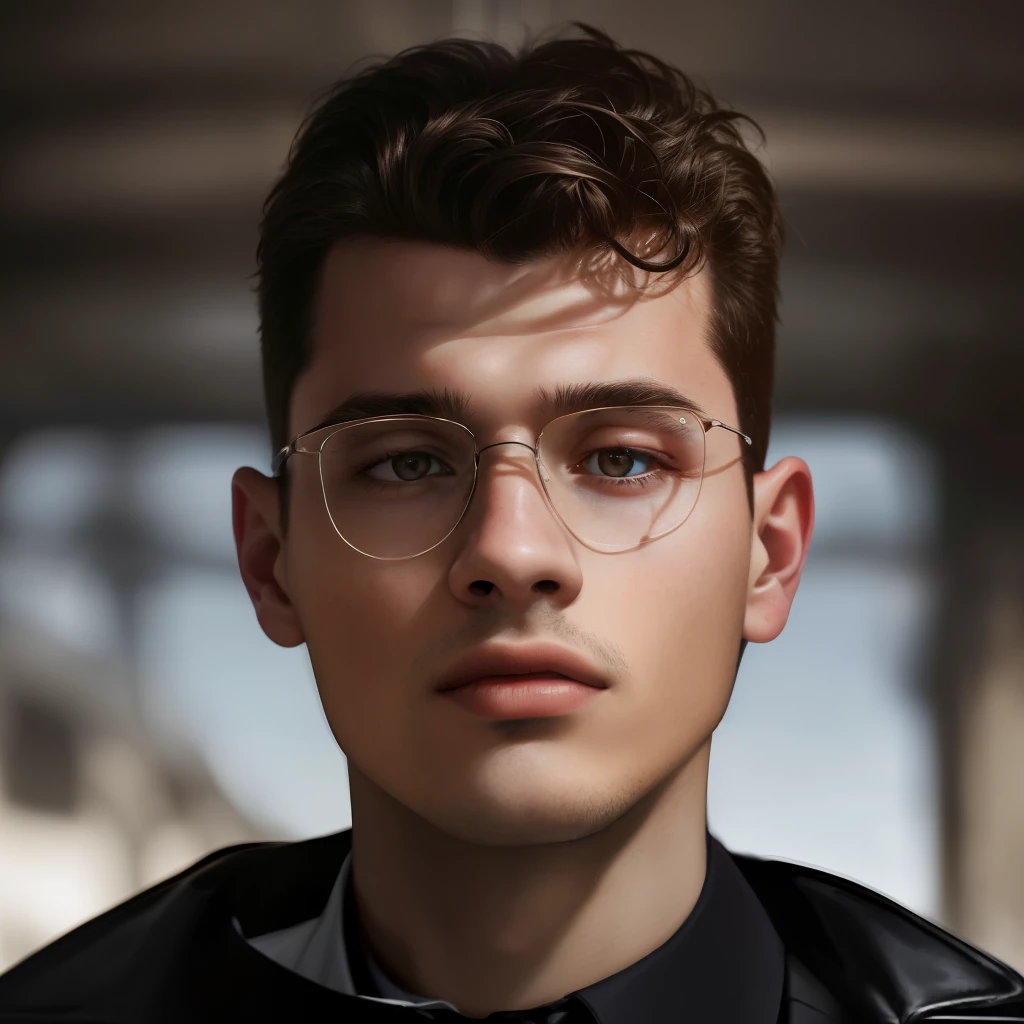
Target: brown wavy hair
(571, 144)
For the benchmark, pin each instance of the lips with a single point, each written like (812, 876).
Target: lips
(538, 695)
(542, 659)
(522, 682)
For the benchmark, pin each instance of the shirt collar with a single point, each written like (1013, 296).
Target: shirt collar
(321, 950)
(724, 963)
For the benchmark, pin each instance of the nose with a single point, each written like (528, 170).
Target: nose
(512, 547)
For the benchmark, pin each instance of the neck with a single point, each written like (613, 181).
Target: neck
(510, 927)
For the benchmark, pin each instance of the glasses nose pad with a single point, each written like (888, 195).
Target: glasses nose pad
(542, 473)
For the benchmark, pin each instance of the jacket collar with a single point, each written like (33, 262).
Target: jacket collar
(852, 948)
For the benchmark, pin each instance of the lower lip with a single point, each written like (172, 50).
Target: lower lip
(528, 696)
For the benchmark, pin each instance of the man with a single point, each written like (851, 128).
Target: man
(517, 321)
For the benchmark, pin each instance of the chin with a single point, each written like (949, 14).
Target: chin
(525, 814)
(492, 826)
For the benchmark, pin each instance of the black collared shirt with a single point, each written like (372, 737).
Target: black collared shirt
(725, 964)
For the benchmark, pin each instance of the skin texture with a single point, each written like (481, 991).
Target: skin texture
(501, 865)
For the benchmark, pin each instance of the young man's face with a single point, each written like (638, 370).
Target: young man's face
(660, 625)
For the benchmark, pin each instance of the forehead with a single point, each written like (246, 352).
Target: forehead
(402, 316)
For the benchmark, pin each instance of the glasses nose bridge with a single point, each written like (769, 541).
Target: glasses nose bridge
(497, 444)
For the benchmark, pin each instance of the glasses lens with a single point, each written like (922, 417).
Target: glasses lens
(396, 487)
(621, 477)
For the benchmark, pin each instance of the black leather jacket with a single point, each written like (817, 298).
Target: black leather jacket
(171, 954)
(855, 956)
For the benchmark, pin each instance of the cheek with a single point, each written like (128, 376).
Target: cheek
(677, 612)
(341, 595)
(361, 619)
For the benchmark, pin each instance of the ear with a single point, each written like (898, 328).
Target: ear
(261, 554)
(781, 535)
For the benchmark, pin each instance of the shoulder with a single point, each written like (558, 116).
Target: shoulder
(150, 941)
(877, 959)
(91, 954)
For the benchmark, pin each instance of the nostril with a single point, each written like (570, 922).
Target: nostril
(545, 586)
(481, 586)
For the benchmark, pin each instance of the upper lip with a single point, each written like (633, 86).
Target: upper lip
(520, 659)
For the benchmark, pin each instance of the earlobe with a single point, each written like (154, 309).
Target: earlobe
(260, 550)
(781, 536)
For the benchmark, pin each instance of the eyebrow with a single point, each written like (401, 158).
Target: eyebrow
(453, 404)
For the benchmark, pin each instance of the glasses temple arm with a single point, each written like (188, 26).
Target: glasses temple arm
(719, 423)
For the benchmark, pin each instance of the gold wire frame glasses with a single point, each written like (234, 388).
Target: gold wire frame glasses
(396, 487)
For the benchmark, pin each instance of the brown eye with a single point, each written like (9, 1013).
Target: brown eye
(411, 465)
(615, 461)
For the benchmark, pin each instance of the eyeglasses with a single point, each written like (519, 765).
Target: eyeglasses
(617, 477)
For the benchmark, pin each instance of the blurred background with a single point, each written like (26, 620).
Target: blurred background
(145, 719)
